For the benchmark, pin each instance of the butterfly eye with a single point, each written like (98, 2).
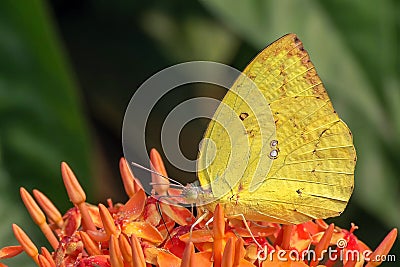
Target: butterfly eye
(273, 154)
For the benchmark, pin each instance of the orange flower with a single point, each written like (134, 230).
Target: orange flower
(145, 232)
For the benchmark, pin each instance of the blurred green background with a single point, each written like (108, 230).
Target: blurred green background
(68, 69)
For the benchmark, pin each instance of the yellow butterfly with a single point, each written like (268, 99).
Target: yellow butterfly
(287, 157)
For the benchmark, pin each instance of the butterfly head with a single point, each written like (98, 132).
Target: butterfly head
(193, 193)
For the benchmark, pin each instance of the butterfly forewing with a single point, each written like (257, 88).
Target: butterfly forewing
(305, 151)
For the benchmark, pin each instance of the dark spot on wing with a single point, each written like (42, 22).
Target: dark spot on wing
(250, 133)
(243, 115)
(322, 133)
(252, 77)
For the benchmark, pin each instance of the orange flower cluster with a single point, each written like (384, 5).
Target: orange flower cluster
(145, 232)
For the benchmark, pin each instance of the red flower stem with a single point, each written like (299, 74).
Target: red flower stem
(322, 245)
(91, 247)
(218, 234)
(229, 252)
(26, 243)
(38, 217)
(43, 261)
(127, 177)
(137, 253)
(48, 207)
(383, 248)
(48, 256)
(287, 233)
(187, 255)
(77, 196)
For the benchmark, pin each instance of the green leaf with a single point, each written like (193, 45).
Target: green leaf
(190, 38)
(41, 122)
(353, 47)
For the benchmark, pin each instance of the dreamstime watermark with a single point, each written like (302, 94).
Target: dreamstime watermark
(246, 100)
(340, 252)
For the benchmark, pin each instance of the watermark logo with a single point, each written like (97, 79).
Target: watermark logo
(245, 95)
(340, 252)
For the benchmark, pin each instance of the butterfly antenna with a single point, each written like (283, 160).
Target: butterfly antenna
(157, 173)
(172, 185)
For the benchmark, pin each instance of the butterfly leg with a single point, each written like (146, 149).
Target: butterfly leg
(200, 219)
(248, 228)
(208, 223)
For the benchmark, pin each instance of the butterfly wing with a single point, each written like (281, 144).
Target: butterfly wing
(312, 174)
